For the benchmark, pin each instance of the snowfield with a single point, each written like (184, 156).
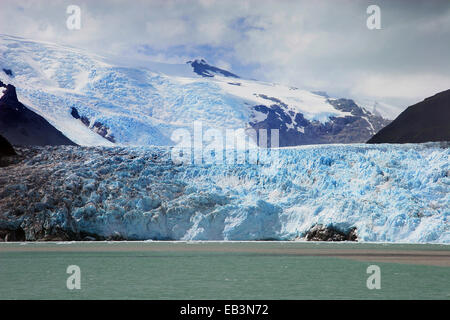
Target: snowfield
(143, 106)
(390, 193)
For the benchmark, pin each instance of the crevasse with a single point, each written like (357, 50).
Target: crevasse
(390, 193)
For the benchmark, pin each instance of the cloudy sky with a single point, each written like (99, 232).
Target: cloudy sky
(319, 45)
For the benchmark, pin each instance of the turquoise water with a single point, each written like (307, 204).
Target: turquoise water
(262, 270)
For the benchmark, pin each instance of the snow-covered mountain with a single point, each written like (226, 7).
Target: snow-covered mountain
(94, 101)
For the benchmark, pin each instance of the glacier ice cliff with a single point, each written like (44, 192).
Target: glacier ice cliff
(389, 193)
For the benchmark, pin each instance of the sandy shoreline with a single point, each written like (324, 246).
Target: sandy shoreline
(437, 255)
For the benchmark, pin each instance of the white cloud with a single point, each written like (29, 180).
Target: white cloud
(415, 86)
(170, 29)
(313, 44)
(223, 65)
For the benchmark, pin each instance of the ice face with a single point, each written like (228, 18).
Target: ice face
(390, 193)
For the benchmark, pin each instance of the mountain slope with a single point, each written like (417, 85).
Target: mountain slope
(425, 121)
(144, 106)
(22, 126)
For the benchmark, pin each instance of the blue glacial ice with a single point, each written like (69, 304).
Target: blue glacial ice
(390, 193)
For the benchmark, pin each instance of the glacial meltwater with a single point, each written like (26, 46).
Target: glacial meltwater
(223, 270)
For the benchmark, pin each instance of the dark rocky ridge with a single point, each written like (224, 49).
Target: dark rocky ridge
(8, 72)
(21, 126)
(97, 127)
(426, 121)
(202, 68)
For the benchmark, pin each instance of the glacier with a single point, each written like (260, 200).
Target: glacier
(390, 193)
(143, 106)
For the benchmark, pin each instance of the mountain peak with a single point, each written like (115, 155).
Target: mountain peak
(202, 68)
(442, 94)
(198, 61)
(9, 95)
(22, 126)
(422, 122)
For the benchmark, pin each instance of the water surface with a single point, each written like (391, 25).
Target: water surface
(223, 270)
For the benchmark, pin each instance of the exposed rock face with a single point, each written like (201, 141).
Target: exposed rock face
(322, 233)
(21, 126)
(295, 130)
(425, 121)
(8, 72)
(97, 127)
(202, 68)
(6, 149)
(74, 113)
(103, 130)
(12, 235)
